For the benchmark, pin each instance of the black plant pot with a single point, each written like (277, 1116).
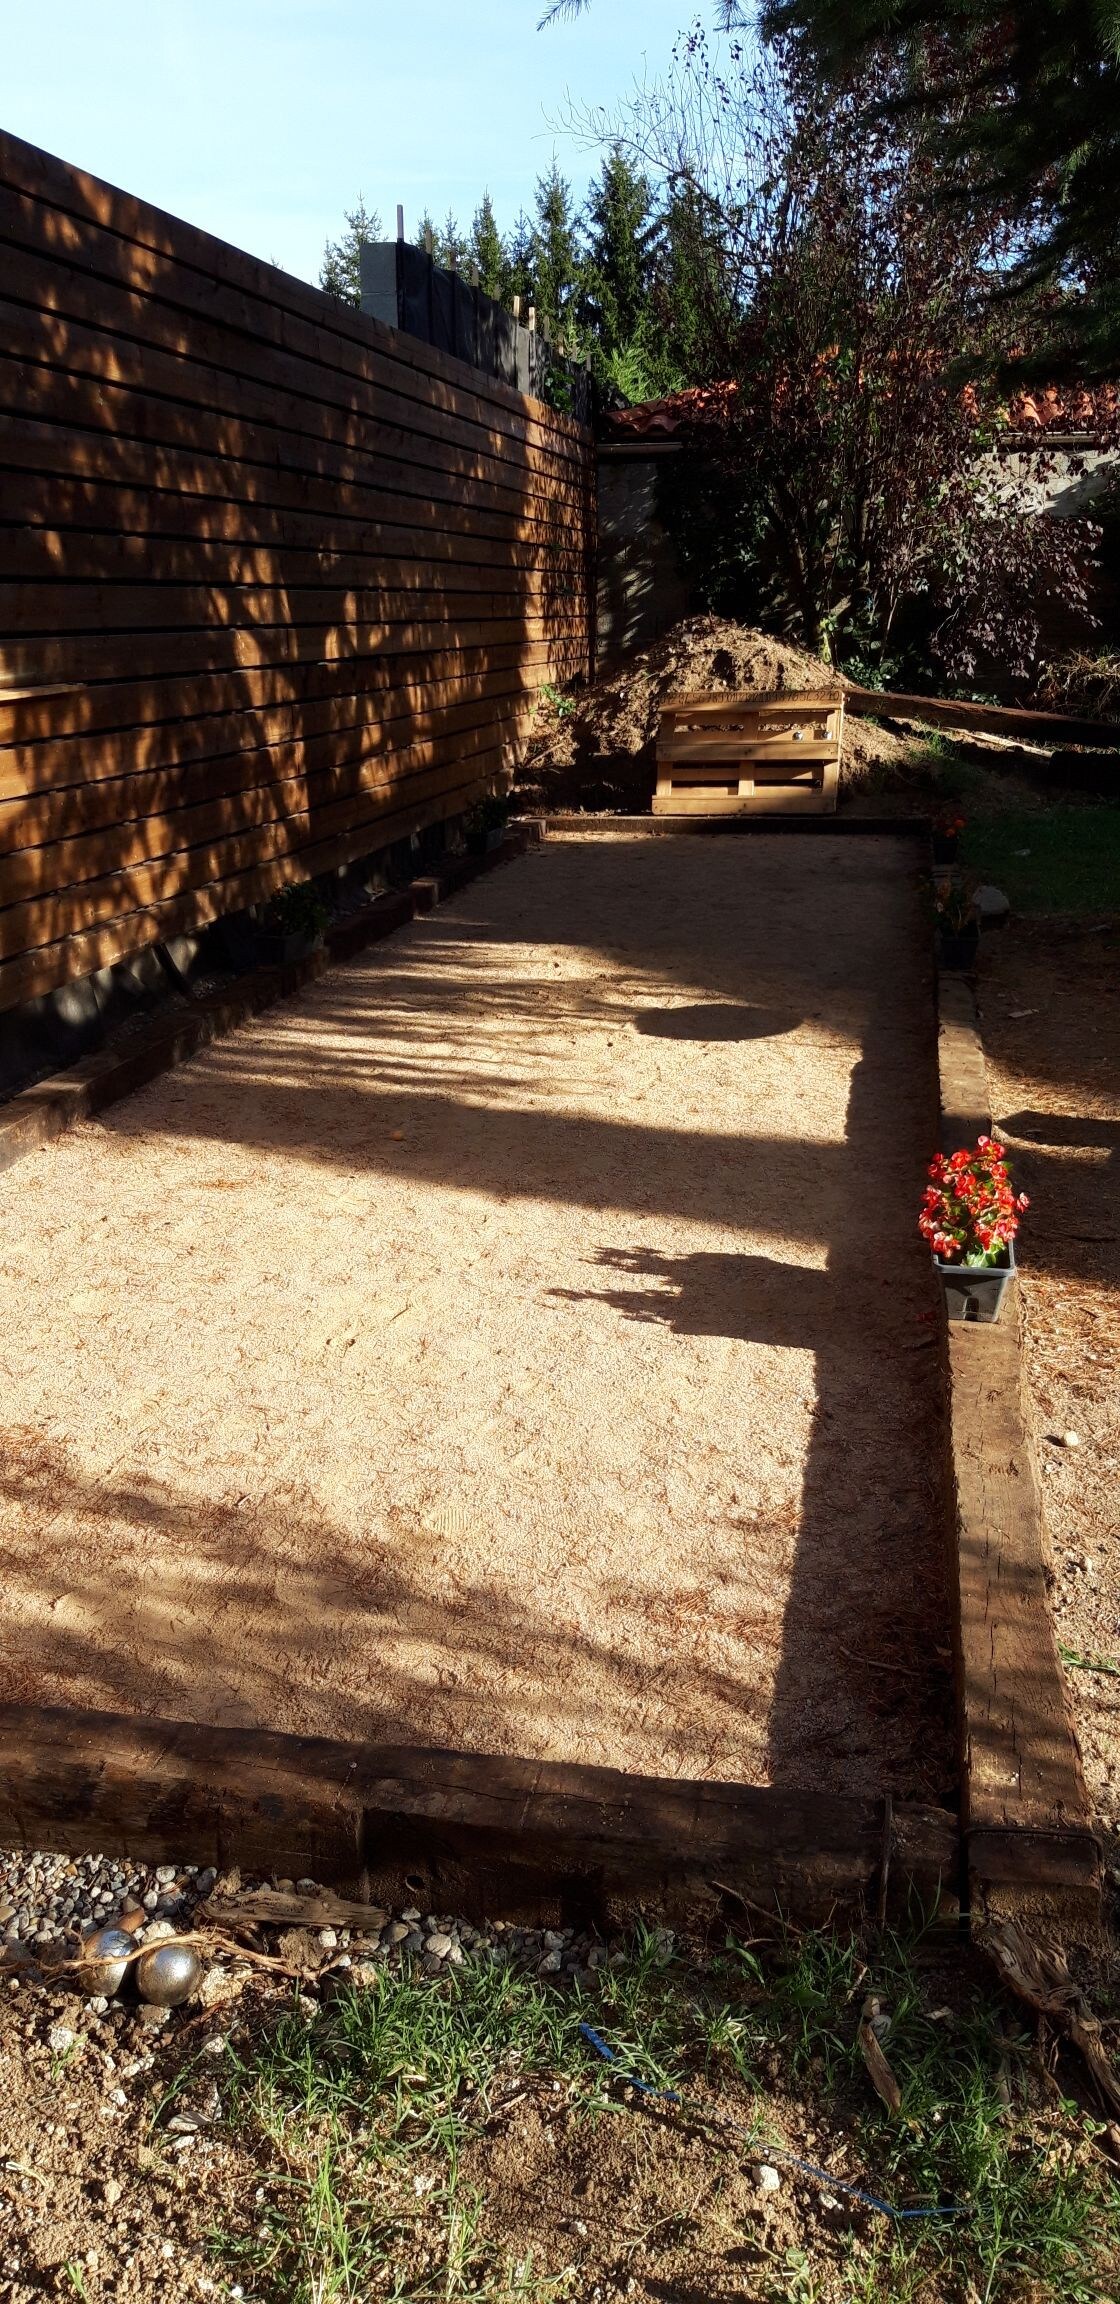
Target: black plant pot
(976, 1294)
(945, 846)
(277, 948)
(958, 947)
(484, 843)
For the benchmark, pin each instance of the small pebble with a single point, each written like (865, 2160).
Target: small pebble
(60, 2039)
(151, 2017)
(439, 1944)
(765, 2179)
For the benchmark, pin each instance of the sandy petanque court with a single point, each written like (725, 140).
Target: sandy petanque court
(520, 1343)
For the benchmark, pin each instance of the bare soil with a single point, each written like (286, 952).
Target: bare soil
(1050, 993)
(522, 1342)
(129, 2172)
(595, 749)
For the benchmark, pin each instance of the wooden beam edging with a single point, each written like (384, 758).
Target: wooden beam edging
(49, 1107)
(563, 823)
(1030, 1850)
(460, 1831)
(1046, 728)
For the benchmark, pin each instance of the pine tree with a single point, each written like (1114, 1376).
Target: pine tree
(520, 265)
(341, 271)
(487, 249)
(623, 234)
(557, 264)
(451, 245)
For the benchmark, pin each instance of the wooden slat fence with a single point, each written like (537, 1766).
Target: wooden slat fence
(277, 585)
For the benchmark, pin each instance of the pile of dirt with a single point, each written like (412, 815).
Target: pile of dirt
(595, 750)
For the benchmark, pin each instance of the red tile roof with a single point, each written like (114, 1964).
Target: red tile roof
(1047, 409)
(661, 419)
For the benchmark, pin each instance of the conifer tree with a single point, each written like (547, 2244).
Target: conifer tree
(557, 266)
(623, 231)
(340, 273)
(520, 264)
(487, 249)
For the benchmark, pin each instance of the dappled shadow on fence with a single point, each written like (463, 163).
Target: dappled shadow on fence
(277, 591)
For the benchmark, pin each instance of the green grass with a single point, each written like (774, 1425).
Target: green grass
(1052, 859)
(1079, 1663)
(1049, 855)
(362, 2110)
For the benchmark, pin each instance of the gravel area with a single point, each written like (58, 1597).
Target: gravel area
(522, 1342)
(50, 1904)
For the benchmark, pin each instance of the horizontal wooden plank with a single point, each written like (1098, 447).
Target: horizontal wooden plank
(93, 343)
(247, 792)
(715, 705)
(60, 607)
(145, 771)
(985, 719)
(271, 294)
(48, 453)
(229, 362)
(480, 1830)
(718, 748)
(147, 863)
(56, 736)
(275, 583)
(390, 553)
(63, 401)
(225, 648)
(47, 966)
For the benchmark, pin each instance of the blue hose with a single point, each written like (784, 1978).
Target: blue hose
(790, 2159)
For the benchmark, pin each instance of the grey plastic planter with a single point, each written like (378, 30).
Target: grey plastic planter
(975, 1292)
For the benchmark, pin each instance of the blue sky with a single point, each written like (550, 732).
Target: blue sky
(263, 119)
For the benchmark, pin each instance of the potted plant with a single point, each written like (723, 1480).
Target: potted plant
(947, 829)
(958, 923)
(484, 825)
(970, 1215)
(292, 922)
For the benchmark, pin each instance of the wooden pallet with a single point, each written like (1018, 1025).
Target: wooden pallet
(734, 755)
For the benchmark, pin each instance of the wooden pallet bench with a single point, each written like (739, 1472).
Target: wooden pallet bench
(737, 755)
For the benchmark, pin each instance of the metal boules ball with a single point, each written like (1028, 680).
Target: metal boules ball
(104, 1958)
(167, 1974)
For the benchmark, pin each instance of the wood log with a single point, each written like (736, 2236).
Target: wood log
(462, 1831)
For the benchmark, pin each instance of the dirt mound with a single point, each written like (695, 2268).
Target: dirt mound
(595, 750)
